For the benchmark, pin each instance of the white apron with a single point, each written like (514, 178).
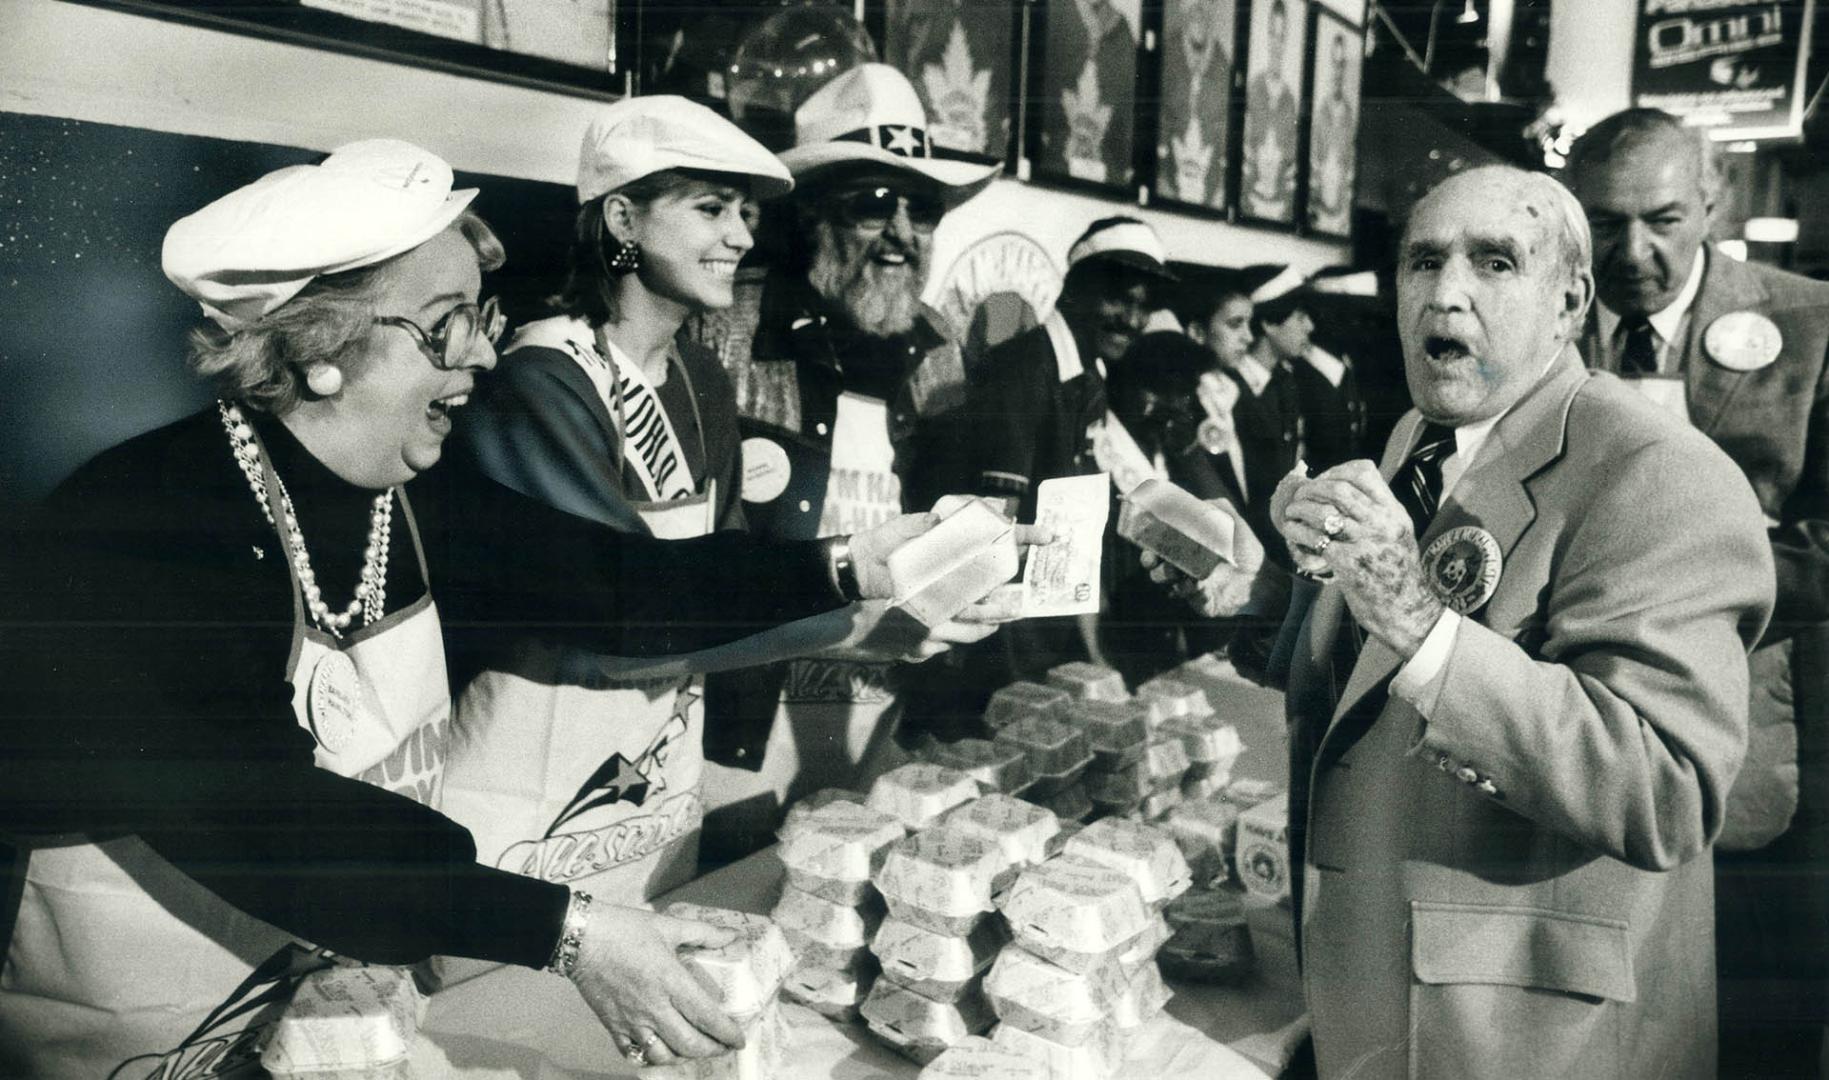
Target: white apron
(122, 967)
(560, 767)
(835, 718)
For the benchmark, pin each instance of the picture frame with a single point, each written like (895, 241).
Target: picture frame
(1270, 156)
(475, 38)
(1333, 125)
(1194, 100)
(963, 58)
(1082, 106)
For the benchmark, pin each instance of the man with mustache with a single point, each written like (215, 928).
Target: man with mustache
(1737, 350)
(1040, 409)
(840, 383)
(1518, 701)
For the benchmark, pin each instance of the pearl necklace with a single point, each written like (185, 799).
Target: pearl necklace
(371, 594)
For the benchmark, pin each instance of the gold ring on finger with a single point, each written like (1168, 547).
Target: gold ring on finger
(1322, 544)
(1333, 525)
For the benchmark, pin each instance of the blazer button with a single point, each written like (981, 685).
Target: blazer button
(805, 507)
(820, 427)
(1468, 776)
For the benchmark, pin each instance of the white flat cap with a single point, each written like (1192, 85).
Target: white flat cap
(252, 250)
(638, 136)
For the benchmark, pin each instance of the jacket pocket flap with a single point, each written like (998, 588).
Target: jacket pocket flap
(1522, 946)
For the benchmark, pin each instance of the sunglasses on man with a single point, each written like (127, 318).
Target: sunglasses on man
(875, 206)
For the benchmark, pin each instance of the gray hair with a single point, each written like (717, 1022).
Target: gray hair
(1630, 129)
(262, 365)
(1568, 221)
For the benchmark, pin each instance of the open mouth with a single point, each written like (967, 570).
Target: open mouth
(439, 412)
(1443, 347)
(890, 258)
(723, 269)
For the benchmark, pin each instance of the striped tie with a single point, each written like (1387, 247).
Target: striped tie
(1418, 485)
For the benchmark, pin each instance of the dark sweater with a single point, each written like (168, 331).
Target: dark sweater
(146, 630)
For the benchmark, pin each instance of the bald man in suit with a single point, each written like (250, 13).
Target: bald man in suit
(1737, 350)
(1515, 709)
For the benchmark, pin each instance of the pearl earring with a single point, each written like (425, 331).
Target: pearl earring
(324, 379)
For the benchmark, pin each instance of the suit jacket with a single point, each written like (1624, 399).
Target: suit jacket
(1774, 423)
(1518, 884)
(1024, 424)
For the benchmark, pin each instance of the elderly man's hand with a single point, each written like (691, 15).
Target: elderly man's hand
(1348, 519)
(1231, 587)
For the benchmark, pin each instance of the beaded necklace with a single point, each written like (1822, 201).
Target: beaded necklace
(371, 593)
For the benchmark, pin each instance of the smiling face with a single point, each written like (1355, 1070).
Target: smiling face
(873, 267)
(692, 237)
(394, 409)
(1648, 205)
(1486, 296)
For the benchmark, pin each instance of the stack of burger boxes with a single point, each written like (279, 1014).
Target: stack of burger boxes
(1021, 700)
(829, 908)
(938, 936)
(1057, 757)
(744, 978)
(1079, 977)
(1212, 745)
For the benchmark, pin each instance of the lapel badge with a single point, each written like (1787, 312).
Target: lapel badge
(1462, 567)
(1742, 341)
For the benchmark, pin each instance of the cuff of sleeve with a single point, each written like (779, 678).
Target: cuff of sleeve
(1419, 682)
(508, 918)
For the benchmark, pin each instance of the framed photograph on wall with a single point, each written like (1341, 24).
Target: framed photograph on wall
(1333, 125)
(1199, 43)
(1086, 110)
(570, 47)
(958, 54)
(1273, 111)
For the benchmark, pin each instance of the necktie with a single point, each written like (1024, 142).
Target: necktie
(1418, 484)
(1639, 357)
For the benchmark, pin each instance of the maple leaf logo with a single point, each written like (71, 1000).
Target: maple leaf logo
(1087, 119)
(958, 93)
(1193, 159)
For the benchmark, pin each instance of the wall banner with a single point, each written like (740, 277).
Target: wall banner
(1732, 67)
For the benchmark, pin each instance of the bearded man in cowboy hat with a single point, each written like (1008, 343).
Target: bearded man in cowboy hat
(841, 373)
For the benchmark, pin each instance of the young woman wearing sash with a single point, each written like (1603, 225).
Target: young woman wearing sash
(565, 765)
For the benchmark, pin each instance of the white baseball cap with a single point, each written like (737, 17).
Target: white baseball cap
(871, 114)
(1125, 241)
(252, 250)
(639, 136)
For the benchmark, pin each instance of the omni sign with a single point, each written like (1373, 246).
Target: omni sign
(1681, 40)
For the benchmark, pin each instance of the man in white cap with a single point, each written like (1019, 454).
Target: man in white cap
(839, 379)
(1328, 402)
(1040, 409)
(1738, 350)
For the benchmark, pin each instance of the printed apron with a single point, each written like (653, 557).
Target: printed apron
(560, 767)
(123, 968)
(835, 718)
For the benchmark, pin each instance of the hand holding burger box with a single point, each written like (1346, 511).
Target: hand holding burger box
(1191, 535)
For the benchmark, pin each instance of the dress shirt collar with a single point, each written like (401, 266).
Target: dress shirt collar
(1255, 374)
(1668, 321)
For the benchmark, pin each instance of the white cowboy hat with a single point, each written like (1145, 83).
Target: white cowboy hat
(871, 115)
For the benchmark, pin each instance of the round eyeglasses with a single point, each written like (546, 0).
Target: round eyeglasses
(452, 338)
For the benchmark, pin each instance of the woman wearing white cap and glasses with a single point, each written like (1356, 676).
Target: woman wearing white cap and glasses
(600, 411)
(225, 745)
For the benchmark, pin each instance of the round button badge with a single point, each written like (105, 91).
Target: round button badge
(1743, 341)
(335, 701)
(765, 470)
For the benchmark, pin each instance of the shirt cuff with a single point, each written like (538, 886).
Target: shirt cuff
(1419, 681)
